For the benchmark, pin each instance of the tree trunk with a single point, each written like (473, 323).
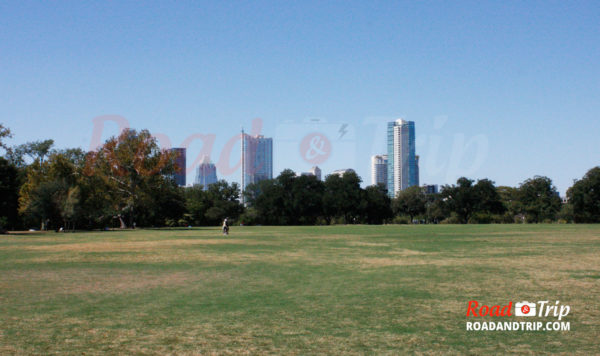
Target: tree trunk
(123, 226)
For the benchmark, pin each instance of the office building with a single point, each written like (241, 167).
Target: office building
(314, 171)
(430, 188)
(257, 159)
(180, 165)
(206, 173)
(341, 172)
(403, 170)
(379, 169)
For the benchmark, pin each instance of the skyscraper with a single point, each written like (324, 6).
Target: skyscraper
(379, 169)
(257, 159)
(341, 172)
(316, 171)
(180, 162)
(206, 173)
(403, 170)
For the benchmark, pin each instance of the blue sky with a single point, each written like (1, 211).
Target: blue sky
(503, 90)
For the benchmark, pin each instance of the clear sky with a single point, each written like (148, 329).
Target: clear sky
(500, 89)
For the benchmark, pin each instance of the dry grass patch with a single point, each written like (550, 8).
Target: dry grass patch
(367, 244)
(124, 246)
(370, 262)
(76, 281)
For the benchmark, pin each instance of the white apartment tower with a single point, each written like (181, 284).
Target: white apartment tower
(379, 170)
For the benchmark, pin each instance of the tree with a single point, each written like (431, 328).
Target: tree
(51, 190)
(460, 198)
(224, 199)
(377, 204)
(211, 206)
(342, 197)
(410, 201)
(307, 200)
(468, 200)
(584, 197)
(9, 191)
(131, 166)
(196, 204)
(37, 150)
(539, 199)
(509, 196)
(267, 199)
(4, 133)
(436, 208)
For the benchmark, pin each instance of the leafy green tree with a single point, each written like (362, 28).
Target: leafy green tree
(267, 199)
(410, 201)
(197, 202)
(4, 133)
(539, 199)
(460, 198)
(466, 199)
(51, 192)
(224, 199)
(436, 209)
(307, 200)
(509, 196)
(377, 204)
(584, 197)
(37, 150)
(342, 197)
(9, 191)
(211, 206)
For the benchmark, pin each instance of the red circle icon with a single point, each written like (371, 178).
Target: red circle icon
(315, 148)
(525, 309)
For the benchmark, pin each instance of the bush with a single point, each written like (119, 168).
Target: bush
(249, 217)
(453, 219)
(170, 222)
(401, 219)
(480, 218)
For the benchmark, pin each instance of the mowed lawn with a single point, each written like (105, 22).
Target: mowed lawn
(294, 290)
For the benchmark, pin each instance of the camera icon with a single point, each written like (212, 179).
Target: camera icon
(525, 308)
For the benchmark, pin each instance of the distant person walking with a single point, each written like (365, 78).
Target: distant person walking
(225, 227)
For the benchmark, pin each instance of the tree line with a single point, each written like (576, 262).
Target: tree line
(129, 181)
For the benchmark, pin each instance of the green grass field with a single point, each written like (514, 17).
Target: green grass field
(294, 290)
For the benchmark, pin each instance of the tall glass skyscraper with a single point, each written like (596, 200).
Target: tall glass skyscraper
(180, 162)
(403, 169)
(206, 173)
(257, 159)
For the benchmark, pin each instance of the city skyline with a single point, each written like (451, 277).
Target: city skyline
(470, 74)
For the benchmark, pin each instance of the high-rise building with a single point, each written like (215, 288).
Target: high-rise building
(403, 170)
(314, 171)
(206, 173)
(341, 172)
(430, 188)
(180, 163)
(379, 169)
(257, 159)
